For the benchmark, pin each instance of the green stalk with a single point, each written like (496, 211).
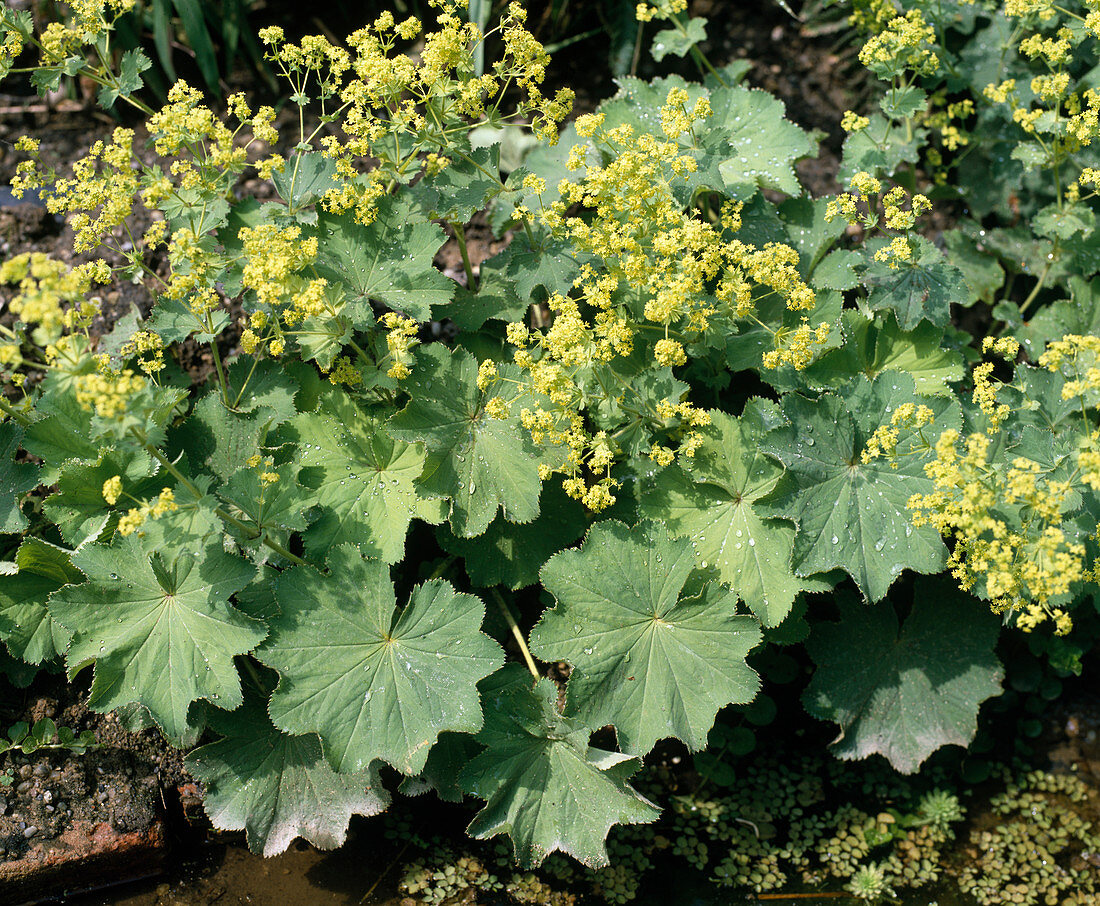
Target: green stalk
(517, 634)
(13, 413)
(222, 514)
(460, 237)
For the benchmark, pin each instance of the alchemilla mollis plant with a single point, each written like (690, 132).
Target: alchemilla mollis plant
(687, 417)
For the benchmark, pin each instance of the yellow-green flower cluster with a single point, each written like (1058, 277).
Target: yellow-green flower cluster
(663, 9)
(384, 98)
(853, 122)
(273, 257)
(859, 206)
(905, 44)
(149, 348)
(97, 198)
(944, 116)
(400, 340)
(108, 392)
(344, 372)
(46, 287)
(264, 465)
(690, 279)
(884, 441)
(1007, 519)
(872, 16)
(132, 520)
(1024, 567)
(112, 489)
(797, 347)
(1078, 359)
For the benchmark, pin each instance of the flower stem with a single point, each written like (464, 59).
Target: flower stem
(516, 634)
(13, 413)
(460, 237)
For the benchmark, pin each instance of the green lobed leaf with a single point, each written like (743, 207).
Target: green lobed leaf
(277, 787)
(362, 479)
(79, 510)
(221, 439)
(132, 64)
(481, 463)
(26, 626)
(679, 42)
(763, 143)
(305, 178)
(745, 145)
(851, 515)
(920, 289)
(713, 503)
(277, 506)
(549, 265)
(496, 299)
(899, 103)
(876, 345)
(512, 555)
(462, 188)
(373, 681)
(174, 322)
(1064, 221)
(388, 261)
(191, 523)
(880, 148)
(16, 479)
(158, 626)
(543, 785)
(1080, 315)
(647, 657)
(902, 692)
(981, 272)
(63, 433)
(267, 384)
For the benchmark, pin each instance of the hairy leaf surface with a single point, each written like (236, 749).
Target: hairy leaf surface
(921, 289)
(362, 479)
(714, 504)
(481, 463)
(158, 627)
(26, 626)
(651, 660)
(904, 692)
(875, 345)
(389, 260)
(851, 515)
(373, 681)
(543, 785)
(79, 509)
(277, 787)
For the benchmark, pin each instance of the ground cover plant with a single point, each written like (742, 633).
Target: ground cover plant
(691, 425)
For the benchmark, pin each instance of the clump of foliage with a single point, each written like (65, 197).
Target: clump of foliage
(681, 421)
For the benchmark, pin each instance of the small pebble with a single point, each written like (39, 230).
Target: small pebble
(30, 831)
(24, 787)
(47, 796)
(25, 771)
(41, 769)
